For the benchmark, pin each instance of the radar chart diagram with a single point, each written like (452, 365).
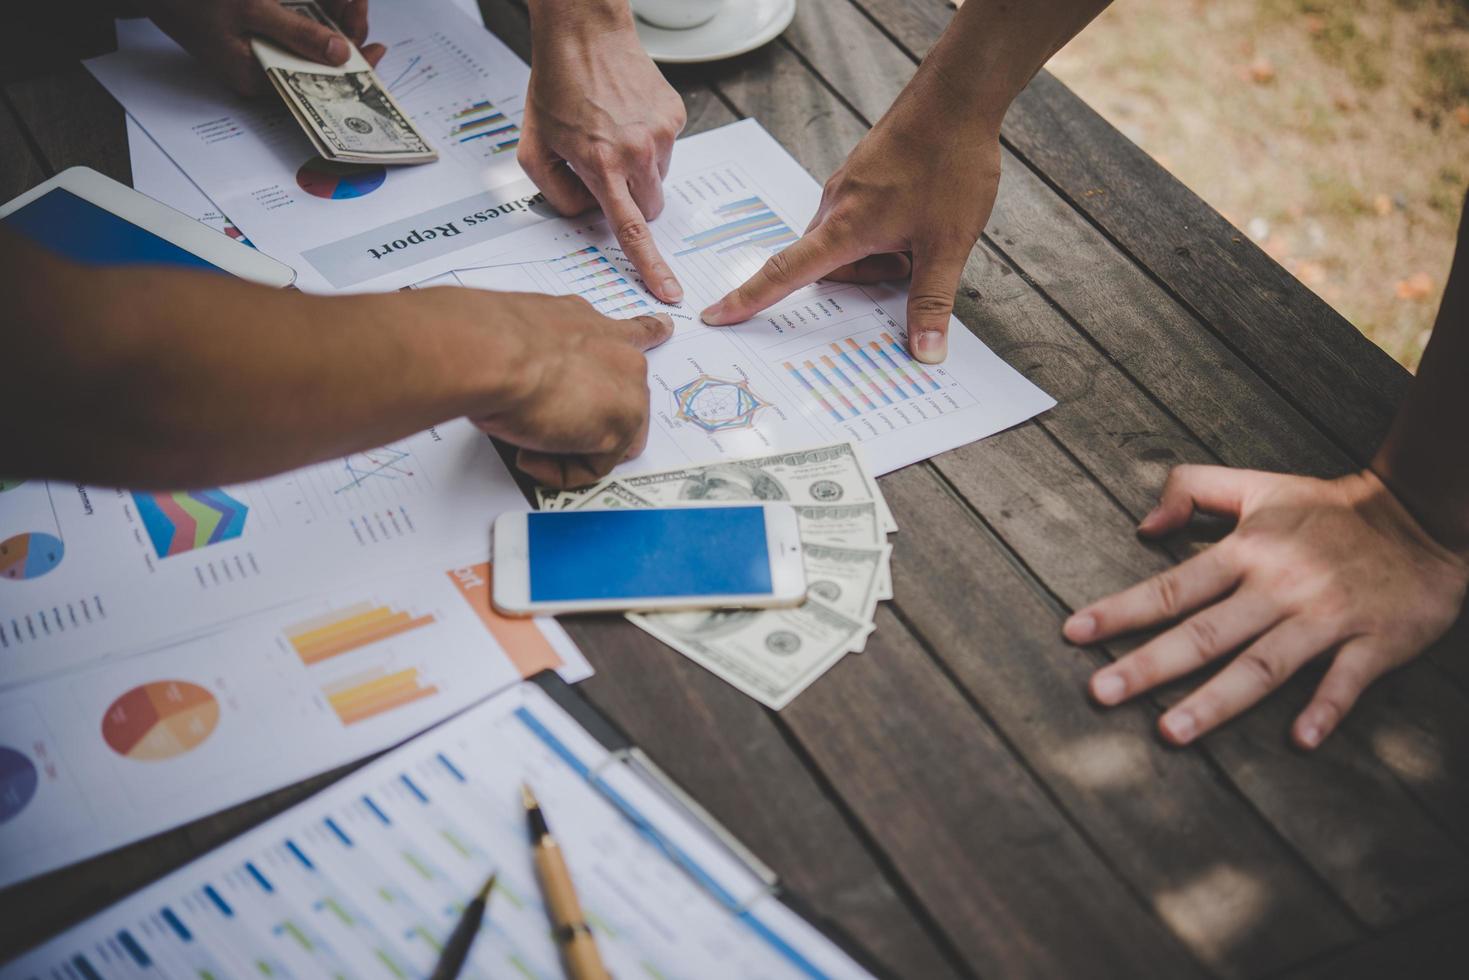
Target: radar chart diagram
(716, 404)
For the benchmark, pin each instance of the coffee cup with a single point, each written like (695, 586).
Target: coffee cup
(676, 15)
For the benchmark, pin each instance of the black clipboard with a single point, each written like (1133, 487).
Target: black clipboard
(622, 751)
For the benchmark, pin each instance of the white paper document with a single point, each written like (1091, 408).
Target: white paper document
(157, 176)
(164, 655)
(347, 227)
(368, 878)
(828, 364)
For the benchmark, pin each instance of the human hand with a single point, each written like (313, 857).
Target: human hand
(599, 127)
(218, 32)
(577, 398)
(1336, 567)
(914, 196)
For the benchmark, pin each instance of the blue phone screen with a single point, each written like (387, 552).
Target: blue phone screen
(638, 554)
(81, 231)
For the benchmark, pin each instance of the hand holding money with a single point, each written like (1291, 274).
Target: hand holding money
(218, 33)
(345, 109)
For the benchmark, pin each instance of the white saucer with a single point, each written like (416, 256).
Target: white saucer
(740, 26)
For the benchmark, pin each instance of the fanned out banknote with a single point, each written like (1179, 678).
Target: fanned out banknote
(345, 110)
(773, 654)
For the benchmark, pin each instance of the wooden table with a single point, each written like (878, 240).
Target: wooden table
(949, 798)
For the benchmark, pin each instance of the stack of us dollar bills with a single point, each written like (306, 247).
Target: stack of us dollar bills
(346, 111)
(774, 654)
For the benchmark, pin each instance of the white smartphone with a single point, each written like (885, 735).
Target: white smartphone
(92, 219)
(645, 560)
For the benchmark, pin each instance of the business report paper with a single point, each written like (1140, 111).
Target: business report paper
(348, 227)
(166, 654)
(367, 878)
(828, 364)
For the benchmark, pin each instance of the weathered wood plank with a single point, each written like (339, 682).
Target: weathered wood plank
(724, 749)
(1115, 441)
(19, 168)
(1436, 946)
(1312, 357)
(984, 848)
(74, 121)
(1198, 853)
(1068, 365)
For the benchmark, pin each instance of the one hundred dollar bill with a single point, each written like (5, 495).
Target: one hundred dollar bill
(346, 111)
(846, 579)
(825, 475)
(770, 654)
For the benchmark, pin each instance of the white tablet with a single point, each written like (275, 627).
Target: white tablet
(92, 219)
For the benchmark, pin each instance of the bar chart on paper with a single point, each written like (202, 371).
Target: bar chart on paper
(344, 630)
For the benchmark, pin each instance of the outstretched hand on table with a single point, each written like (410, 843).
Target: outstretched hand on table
(218, 33)
(1334, 568)
(600, 121)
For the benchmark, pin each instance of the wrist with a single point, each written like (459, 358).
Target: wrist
(556, 23)
(1445, 527)
(485, 351)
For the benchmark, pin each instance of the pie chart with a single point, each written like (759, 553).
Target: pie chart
(30, 555)
(17, 782)
(339, 181)
(160, 720)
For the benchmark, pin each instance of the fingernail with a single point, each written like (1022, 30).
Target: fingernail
(1108, 688)
(672, 291)
(336, 50)
(1310, 736)
(1149, 518)
(1080, 628)
(1180, 726)
(714, 315)
(931, 347)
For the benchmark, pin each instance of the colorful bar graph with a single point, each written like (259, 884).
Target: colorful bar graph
(344, 630)
(897, 366)
(831, 388)
(841, 375)
(483, 121)
(375, 692)
(902, 355)
(749, 222)
(811, 390)
(861, 372)
(877, 368)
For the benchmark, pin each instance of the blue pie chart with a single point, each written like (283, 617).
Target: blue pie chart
(339, 181)
(18, 781)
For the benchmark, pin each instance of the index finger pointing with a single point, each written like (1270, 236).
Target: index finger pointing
(636, 239)
(645, 332)
(804, 262)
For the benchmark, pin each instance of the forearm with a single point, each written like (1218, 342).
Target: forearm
(1425, 459)
(993, 48)
(152, 377)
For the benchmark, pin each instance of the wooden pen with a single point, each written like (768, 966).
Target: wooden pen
(570, 929)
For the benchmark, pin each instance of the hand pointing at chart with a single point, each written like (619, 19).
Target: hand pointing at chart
(903, 202)
(915, 194)
(599, 127)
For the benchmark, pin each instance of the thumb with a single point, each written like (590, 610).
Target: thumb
(298, 33)
(1211, 489)
(936, 273)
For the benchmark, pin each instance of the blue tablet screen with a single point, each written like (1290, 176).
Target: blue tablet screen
(83, 232)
